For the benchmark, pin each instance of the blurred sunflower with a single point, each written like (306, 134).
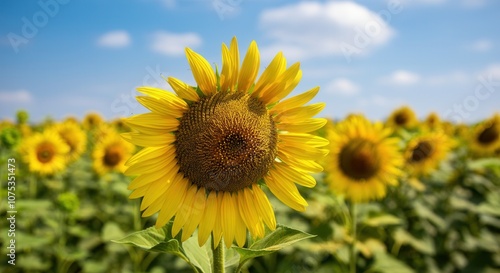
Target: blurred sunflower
(432, 121)
(111, 153)
(485, 137)
(45, 153)
(120, 125)
(210, 149)
(92, 121)
(403, 117)
(74, 137)
(424, 152)
(363, 159)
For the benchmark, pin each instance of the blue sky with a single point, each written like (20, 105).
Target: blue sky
(70, 57)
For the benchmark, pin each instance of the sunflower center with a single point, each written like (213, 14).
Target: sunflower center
(112, 157)
(45, 152)
(488, 135)
(226, 142)
(401, 119)
(359, 159)
(422, 151)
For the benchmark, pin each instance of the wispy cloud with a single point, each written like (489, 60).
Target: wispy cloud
(173, 44)
(380, 101)
(474, 3)
(401, 77)
(342, 86)
(114, 39)
(17, 96)
(482, 45)
(314, 29)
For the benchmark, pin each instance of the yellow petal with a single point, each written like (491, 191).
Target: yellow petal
(290, 78)
(226, 74)
(196, 214)
(303, 139)
(210, 214)
(304, 126)
(183, 90)
(264, 206)
(295, 101)
(270, 74)
(148, 153)
(176, 193)
(149, 140)
(184, 211)
(152, 123)
(156, 189)
(249, 213)
(294, 175)
(159, 106)
(285, 191)
(202, 72)
(249, 68)
(228, 211)
(305, 165)
(300, 113)
(167, 97)
(217, 231)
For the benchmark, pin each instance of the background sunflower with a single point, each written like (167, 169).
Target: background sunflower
(363, 159)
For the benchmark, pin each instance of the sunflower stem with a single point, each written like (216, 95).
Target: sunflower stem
(353, 255)
(218, 254)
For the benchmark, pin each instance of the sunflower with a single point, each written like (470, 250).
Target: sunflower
(403, 117)
(111, 153)
(92, 120)
(74, 137)
(432, 121)
(363, 159)
(45, 153)
(211, 149)
(424, 152)
(485, 137)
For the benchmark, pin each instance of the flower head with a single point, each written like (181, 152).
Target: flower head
(363, 159)
(211, 149)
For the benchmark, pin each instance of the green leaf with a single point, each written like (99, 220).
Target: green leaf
(483, 163)
(146, 239)
(198, 256)
(424, 245)
(382, 220)
(281, 237)
(384, 263)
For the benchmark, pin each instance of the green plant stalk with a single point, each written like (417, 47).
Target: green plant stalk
(218, 254)
(352, 256)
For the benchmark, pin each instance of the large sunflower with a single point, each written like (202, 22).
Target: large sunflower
(425, 152)
(45, 153)
(484, 138)
(209, 150)
(363, 159)
(111, 153)
(74, 137)
(403, 117)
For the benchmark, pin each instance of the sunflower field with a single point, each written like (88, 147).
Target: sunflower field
(440, 213)
(206, 181)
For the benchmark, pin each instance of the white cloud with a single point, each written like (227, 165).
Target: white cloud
(313, 29)
(380, 101)
(17, 96)
(481, 45)
(422, 2)
(474, 3)
(118, 38)
(169, 4)
(491, 73)
(342, 86)
(401, 77)
(456, 77)
(173, 44)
